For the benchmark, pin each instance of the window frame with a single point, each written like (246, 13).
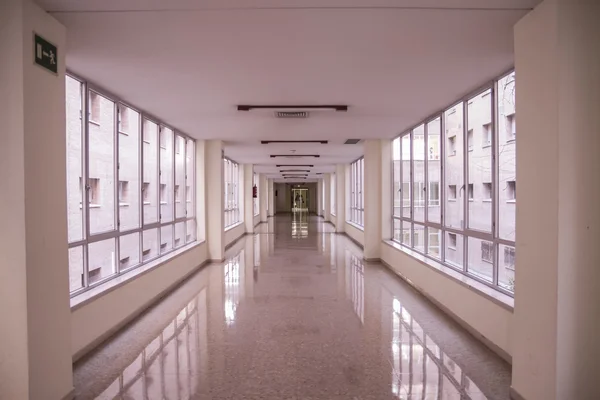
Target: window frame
(465, 232)
(357, 196)
(231, 205)
(116, 234)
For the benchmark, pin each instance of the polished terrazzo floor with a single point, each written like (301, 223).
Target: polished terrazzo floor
(293, 313)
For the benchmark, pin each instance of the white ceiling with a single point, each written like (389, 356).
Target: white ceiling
(190, 62)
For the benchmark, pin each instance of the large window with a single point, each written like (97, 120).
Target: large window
(357, 210)
(130, 187)
(333, 187)
(255, 199)
(454, 183)
(231, 176)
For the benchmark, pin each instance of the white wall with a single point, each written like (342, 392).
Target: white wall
(232, 234)
(355, 233)
(485, 318)
(34, 288)
(95, 321)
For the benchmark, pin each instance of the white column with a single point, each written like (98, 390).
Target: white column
(35, 337)
(340, 197)
(248, 199)
(556, 352)
(319, 196)
(271, 189)
(327, 189)
(386, 189)
(213, 167)
(372, 202)
(263, 189)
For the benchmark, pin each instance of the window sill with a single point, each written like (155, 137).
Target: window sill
(487, 200)
(163, 203)
(361, 228)
(123, 204)
(230, 227)
(511, 201)
(91, 121)
(471, 200)
(95, 206)
(482, 289)
(146, 203)
(333, 214)
(95, 292)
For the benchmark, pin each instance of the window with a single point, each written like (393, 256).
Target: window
(487, 251)
(123, 193)
(509, 258)
(511, 127)
(94, 192)
(452, 146)
(511, 189)
(255, 199)
(356, 192)
(95, 108)
(487, 135)
(451, 192)
(231, 178)
(107, 185)
(452, 242)
(332, 187)
(475, 238)
(470, 139)
(487, 191)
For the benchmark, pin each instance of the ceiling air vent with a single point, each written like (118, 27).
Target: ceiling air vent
(291, 114)
(352, 141)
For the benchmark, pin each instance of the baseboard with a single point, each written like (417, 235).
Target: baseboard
(514, 395)
(70, 395)
(476, 334)
(356, 242)
(136, 313)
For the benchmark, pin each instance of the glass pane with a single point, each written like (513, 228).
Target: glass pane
(434, 170)
(75, 268)
(190, 156)
(434, 245)
(166, 175)
(453, 140)
(180, 170)
(191, 231)
(166, 239)
(396, 177)
(481, 259)
(101, 182)
(419, 238)
(129, 251)
(179, 234)
(150, 184)
(150, 244)
(479, 135)
(102, 260)
(406, 234)
(74, 159)
(454, 250)
(419, 191)
(397, 230)
(506, 269)
(406, 168)
(507, 142)
(129, 168)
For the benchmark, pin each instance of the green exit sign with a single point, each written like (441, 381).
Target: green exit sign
(45, 54)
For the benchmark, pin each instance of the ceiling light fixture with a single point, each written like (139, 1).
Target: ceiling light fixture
(294, 170)
(294, 141)
(335, 107)
(295, 155)
(294, 165)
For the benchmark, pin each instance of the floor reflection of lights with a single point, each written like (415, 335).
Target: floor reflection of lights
(231, 271)
(420, 370)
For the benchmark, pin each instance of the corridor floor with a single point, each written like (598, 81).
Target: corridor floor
(293, 313)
